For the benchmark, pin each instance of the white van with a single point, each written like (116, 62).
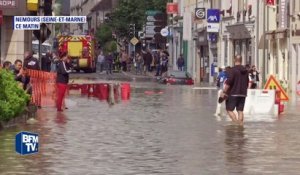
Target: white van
(46, 47)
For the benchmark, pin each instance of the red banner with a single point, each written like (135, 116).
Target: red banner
(172, 8)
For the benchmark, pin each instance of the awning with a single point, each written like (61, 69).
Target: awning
(270, 35)
(238, 31)
(261, 43)
(281, 33)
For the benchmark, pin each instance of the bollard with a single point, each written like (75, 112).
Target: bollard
(111, 98)
(278, 102)
(117, 91)
(103, 91)
(125, 91)
(74, 87)
(90, 90)
(84, 89)
(96, 90)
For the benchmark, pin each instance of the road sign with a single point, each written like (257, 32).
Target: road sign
(270, 2)
(155, 23)
(200, 13)
(42, 34)
(156, 20)
(134, 41)
(152, 12)
(164, 32)
(172, 8)
(151, 18)
(213, 15)
(153, 29)
(213, 27)
(272, 83)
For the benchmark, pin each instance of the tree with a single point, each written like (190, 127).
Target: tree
(133, 12)
(110, 46)
(104, 34)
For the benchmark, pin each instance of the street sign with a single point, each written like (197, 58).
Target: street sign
(153, 29)
(42, 34)
(172, 8)
(213, 27)
(200, 13)
(134, 41)
(152, 12)
(270, 2)
(272, 83)
(164, 32)
(156, 21)
(8, 4)
(151, 18)
(213, 15)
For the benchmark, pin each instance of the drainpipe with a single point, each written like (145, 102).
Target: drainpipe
(263, 76)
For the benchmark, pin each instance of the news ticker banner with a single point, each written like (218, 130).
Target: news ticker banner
(34, 22)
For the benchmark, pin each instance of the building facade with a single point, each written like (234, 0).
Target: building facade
(265, 35)
(13, 42)
(95, 10)
(294, 46)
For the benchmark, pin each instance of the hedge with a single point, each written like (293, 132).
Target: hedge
(13, 99)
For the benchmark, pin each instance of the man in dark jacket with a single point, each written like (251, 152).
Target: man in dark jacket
(148, 60)
(236, 90)
(30, 62)
(46, 62)
(20, 74)
(62, 79)
(109, 63)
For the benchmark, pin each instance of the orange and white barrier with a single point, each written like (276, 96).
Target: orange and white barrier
(43, 88)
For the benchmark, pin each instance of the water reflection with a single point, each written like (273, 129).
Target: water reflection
(170, 133)
(235, 148)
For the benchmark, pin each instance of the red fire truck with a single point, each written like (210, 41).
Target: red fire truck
(81, 50)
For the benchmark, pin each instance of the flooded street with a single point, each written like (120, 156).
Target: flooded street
(171, 132)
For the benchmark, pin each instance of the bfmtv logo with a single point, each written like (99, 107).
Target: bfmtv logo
(27, 143)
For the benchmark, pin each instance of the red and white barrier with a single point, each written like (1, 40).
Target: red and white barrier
(262, 102)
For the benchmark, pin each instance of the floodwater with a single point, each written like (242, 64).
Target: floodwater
(170, 131)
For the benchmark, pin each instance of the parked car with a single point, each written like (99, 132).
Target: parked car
(177, 77)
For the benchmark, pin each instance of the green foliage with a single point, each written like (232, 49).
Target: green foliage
(110, 46)
(104, 34)
(133, 12)
(13, 99)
